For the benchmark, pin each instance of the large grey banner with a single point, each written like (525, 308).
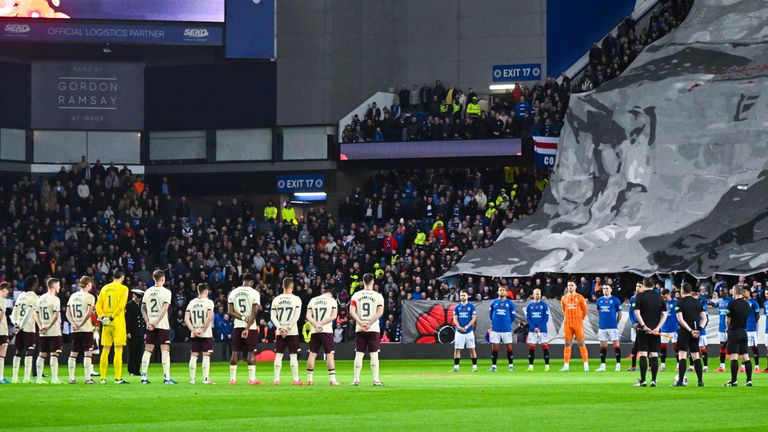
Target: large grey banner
(661, 169)
(87, 96)
(429, 321)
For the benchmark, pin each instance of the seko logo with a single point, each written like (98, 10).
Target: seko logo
(17, 28)
(196, 32)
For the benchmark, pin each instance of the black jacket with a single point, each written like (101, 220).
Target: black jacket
(133, 320)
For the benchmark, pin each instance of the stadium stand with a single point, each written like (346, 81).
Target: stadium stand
(438, 112)
(407, 227)
(613, 54)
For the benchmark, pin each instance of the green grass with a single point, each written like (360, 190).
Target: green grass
(418, 395)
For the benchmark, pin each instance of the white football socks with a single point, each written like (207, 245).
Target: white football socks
(15, 370)
(206, 367)
(27, 368)
(165, 359)
(278, 365)
(54, 368)
(192, 367)
(375, 366)
(294, 362)
(40, 367)
(71, 364)
(358, 364)
(145, 358)
(87, 367)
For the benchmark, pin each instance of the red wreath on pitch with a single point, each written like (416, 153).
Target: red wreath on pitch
(429, 323)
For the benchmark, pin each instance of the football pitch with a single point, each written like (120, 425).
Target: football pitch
(418, 395)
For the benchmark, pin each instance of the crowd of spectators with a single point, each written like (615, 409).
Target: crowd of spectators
(439, 112)
(613, 54)
(406, 227)
(435, 112)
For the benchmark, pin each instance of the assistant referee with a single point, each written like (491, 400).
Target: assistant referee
(651, 312)
(736, 318)
(692, 318)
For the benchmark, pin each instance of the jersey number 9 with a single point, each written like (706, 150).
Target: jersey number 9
(366, 310)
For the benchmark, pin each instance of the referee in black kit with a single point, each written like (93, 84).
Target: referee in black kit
(692, 318)
(651, 312)
(738, 311)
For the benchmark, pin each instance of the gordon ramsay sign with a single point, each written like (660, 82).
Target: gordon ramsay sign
(87, 96)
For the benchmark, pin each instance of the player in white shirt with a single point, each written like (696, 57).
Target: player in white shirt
(154, 308)
(5, 288)
(198, 318)
(79, 309)
(321, 313)
(366, 307)
(285, 314)
(48, 319)
(244, 303)
(23, 318)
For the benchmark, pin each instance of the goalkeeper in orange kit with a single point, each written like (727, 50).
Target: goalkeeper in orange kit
(575, 309)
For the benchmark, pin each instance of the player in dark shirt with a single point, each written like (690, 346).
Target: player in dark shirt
(737, 315)
(651, 312)
(691, 318)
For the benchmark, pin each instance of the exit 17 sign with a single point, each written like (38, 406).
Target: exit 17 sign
(300, 183)
(517, 72)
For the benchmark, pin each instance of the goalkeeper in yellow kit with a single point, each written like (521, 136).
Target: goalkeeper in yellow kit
(110, 308)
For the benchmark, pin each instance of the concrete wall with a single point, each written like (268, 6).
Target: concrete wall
(458, 41)
(333, 54)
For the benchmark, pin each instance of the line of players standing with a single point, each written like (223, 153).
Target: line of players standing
(33, 316)
(683, 326)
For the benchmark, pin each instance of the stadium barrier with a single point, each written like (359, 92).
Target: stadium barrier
(431, 321)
